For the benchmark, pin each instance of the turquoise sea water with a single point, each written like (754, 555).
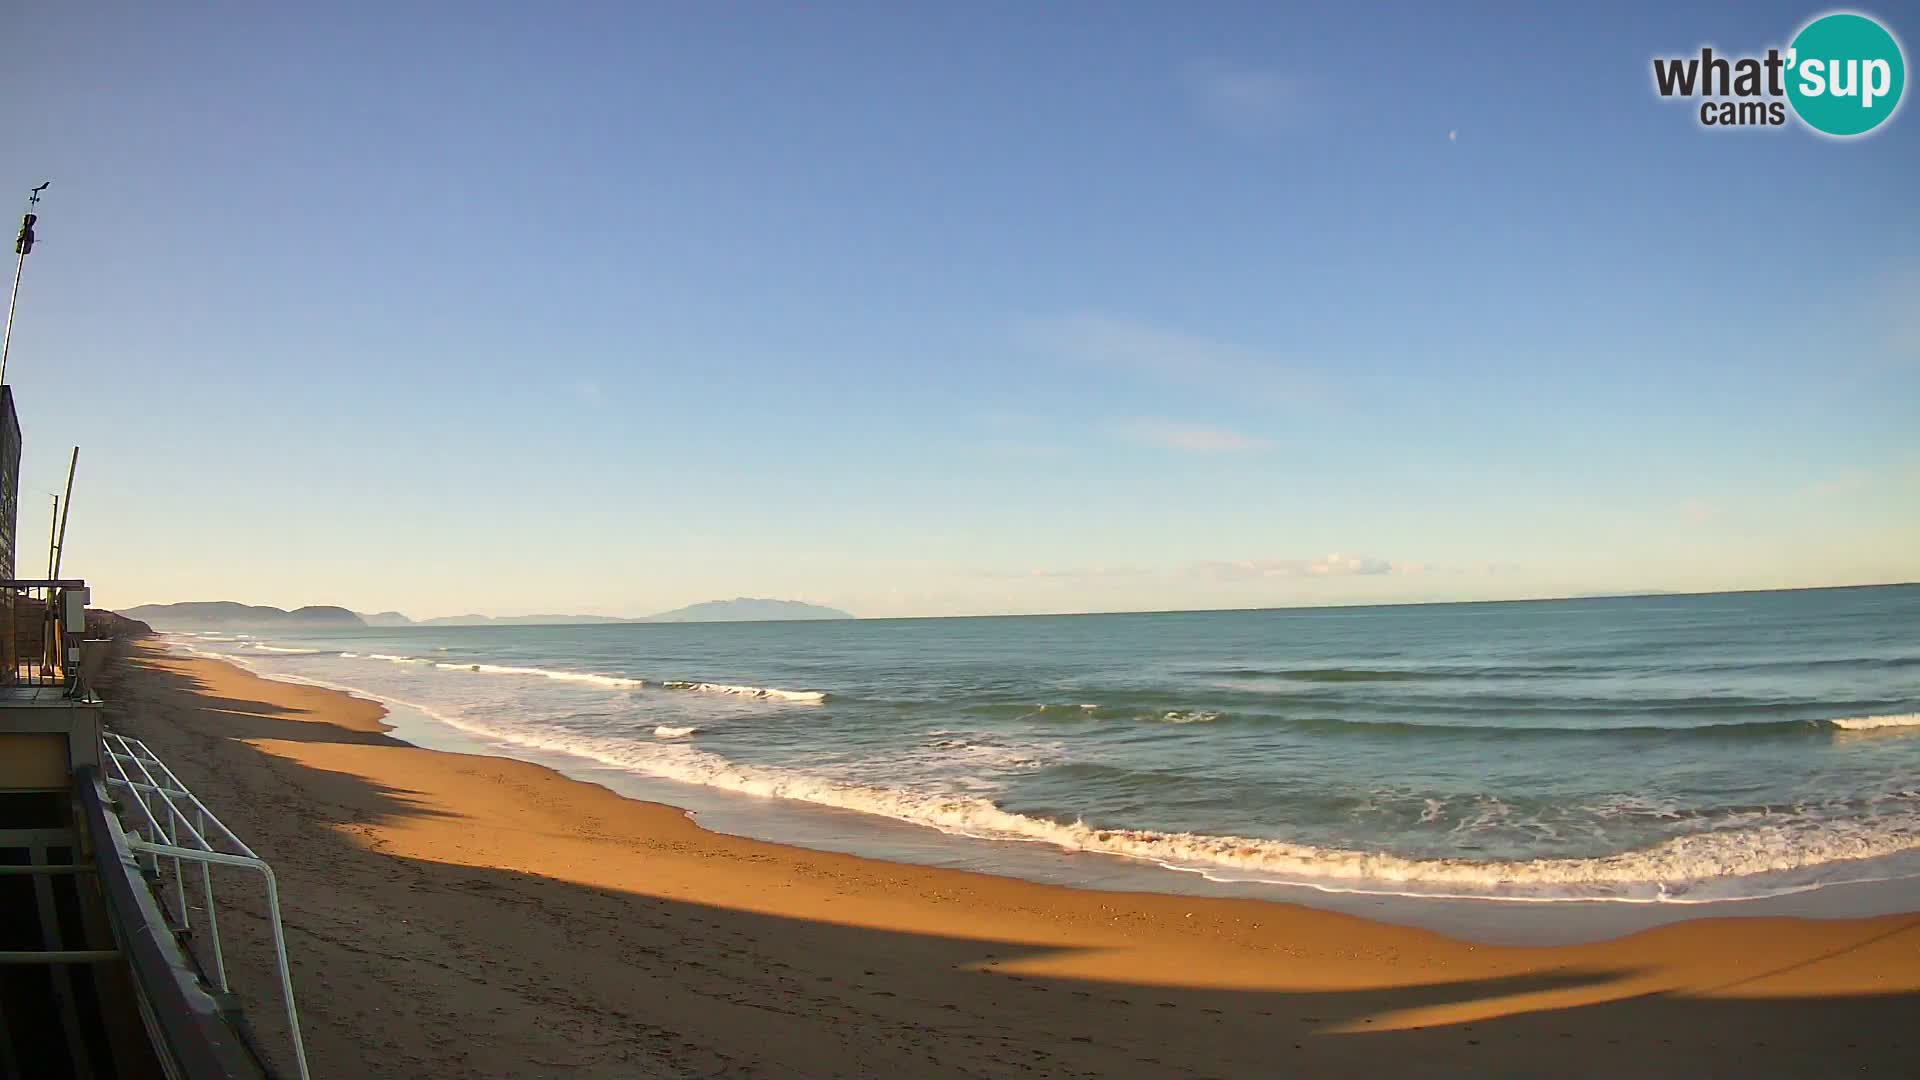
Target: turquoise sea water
(1690, 747)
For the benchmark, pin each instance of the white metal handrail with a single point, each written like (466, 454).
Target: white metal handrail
(181, 824)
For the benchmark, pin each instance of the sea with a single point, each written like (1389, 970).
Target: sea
(1649, 749)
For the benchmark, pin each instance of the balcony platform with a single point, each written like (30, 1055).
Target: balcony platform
(42, 697)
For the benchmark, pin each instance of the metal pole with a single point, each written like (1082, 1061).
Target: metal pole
(53, 528)
(66, 507)
(7, 346)
(19, 264)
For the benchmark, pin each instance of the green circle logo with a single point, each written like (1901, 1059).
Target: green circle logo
(1845, 73)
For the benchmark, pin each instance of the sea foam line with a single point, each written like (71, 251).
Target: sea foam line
(1662, 873)
(1877, 723)
(762, 692)
(619, 682)
(612, 682)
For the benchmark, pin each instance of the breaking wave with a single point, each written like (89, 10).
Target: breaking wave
(1876, 723)
(669, 731)
(1668, 871)
(617, 682)
(1738, 729)
(764, 693)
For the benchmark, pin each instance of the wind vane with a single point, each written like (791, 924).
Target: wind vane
(22, 246)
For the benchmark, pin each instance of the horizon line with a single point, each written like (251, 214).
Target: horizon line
(628, 620)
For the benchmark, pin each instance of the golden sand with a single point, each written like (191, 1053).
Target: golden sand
(456, 916)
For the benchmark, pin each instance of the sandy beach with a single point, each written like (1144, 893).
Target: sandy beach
(466, 916)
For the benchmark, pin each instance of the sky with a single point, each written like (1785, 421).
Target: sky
(948, 309)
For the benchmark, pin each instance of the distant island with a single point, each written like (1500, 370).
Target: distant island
(503, 620)
(747, 609)
(227, 615)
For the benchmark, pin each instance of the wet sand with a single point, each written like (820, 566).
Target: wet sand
(457, 916)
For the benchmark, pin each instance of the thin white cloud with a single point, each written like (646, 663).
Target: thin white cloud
(1881, 481)
(1330, 566)
(1699, 512)
(1065, 573)
(1245, 100)
(1126, 345)
(1190, 438)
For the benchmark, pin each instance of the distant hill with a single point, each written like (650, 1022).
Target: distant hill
(747, 609)
(107, 624)
(227, 615)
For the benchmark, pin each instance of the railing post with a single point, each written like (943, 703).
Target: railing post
(213, 921)
(186, 839)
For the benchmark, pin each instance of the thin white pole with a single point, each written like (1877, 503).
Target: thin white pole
(7, 346)
(19, 264)
(66, 507)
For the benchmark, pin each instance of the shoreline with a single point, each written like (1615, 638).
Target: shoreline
(1482, 919)
(471, 915)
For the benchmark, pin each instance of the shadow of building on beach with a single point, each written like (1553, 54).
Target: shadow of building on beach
(518, 974)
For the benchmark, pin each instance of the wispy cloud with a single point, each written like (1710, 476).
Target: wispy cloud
(1881, 481)
(1699, 512)
(1076, 573)
(1193, 360)
(1189, 438)
(1247, 101)
(1332, 566)
(1335, 565)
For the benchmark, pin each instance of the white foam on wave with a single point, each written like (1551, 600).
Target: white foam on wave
(1670, 872)
(1196, 716)
(764, 693)
(1877, 723)
(263, 647)
(619, 682)
(1666, 872)
(613, 682)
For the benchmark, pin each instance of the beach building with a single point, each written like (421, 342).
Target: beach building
(110, 956)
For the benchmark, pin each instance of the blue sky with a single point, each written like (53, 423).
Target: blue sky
(917, 310)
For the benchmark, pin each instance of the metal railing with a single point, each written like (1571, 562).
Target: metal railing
(185, 831)
(41, 625)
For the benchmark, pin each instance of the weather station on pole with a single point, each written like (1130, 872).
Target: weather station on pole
(22, 247)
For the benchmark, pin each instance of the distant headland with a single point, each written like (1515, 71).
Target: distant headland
(227, 615)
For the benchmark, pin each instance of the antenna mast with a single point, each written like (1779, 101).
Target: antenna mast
(22, 245)
(66, 507)
(53, 528)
